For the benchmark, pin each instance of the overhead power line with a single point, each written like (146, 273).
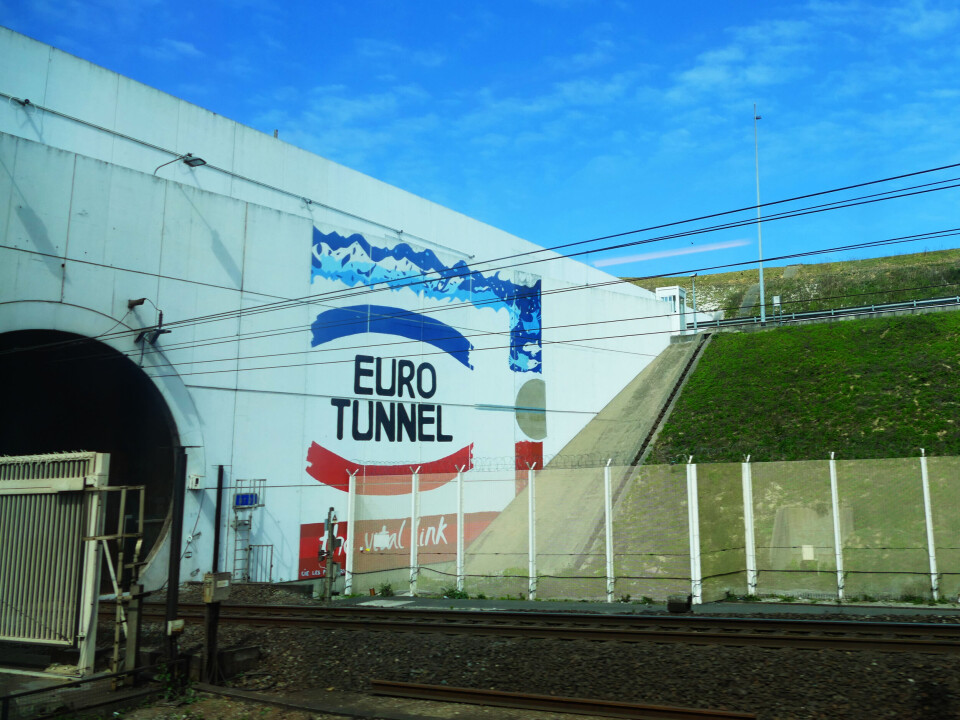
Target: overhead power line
(407, 282)
(28, 106)
(575, 342)
(746, 321)
(301, 196)
(259, 334)
(354, 292)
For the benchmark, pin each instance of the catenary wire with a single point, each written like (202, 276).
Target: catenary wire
(403, 356)
(261, 334)
(352, 292)
(300, 329)
(185, 346)
(568, 342)
(930, 235)
(406, 282)
(309, 201)
(26, 104)
(933, 235)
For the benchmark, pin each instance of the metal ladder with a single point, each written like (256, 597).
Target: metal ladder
(247, 498)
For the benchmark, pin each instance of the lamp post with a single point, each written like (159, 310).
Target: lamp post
(756, 154)
(694, 281)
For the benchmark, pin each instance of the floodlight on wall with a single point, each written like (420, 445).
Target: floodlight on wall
(189, 159)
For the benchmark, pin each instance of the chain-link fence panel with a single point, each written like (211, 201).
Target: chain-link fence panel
(382, 536)
(650, 533)
(793, 529)
(722, 549)
(881, 522)
(944, 473)
(437, 533)
(496, 559)
(884, 532)
(571, 559)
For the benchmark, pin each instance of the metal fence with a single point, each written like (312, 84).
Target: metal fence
(840, 529)
(778, 317)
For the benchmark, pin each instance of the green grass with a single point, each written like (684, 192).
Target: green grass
(879, 388)
(828, 285)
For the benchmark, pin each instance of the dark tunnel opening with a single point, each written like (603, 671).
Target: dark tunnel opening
(65, 393)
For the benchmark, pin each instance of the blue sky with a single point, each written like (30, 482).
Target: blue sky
(563, 120)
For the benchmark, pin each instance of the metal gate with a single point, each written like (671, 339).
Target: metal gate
(261, 564)
(51, 513)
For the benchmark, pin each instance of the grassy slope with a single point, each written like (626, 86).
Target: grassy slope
(829, 285)
(864, 389)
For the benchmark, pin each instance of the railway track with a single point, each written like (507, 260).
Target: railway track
(698, 630)
(550, 703)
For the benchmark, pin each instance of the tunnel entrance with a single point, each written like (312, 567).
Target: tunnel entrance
(64, 392)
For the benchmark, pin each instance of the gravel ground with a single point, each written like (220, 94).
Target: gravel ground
(773, 683)
(207, 707)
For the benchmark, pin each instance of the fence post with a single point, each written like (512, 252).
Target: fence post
(837, 539)
(414, 519)
(693, 516)
(460, 530)
(749, 535)
(531, 533)
(351, 542)
(608, 529)
(928, 515)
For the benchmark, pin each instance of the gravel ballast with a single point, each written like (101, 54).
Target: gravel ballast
(773, 683)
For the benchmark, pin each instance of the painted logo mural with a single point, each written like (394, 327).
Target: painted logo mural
(400, 391)
(354, 261)
(390, 400)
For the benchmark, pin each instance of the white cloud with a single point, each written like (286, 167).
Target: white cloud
(760, 55)
(168, 49)
(564, 4)
(372, 48)
(834, 91)
(601, 50)
(391, 52)
(917, 20)
(660, 254)
(97, 15)
(352, 128)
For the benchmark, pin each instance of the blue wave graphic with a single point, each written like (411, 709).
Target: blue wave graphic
(357, 319)
(354, 260)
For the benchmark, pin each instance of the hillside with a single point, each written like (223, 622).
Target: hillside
(828, 285)
(863, 389)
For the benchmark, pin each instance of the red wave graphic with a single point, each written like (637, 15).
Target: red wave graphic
(331, 469)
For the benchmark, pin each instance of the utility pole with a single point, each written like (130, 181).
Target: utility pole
(175, 624)
(332, 568)
(756, 154)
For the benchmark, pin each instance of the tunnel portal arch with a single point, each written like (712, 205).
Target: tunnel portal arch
(66, 392)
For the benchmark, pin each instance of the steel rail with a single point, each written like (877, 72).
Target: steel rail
(764, 632)
(549, 703)
(567, 619)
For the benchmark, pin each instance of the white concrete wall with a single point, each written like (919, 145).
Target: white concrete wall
(86, 224)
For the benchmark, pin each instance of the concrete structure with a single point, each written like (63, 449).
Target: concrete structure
(171, 278)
